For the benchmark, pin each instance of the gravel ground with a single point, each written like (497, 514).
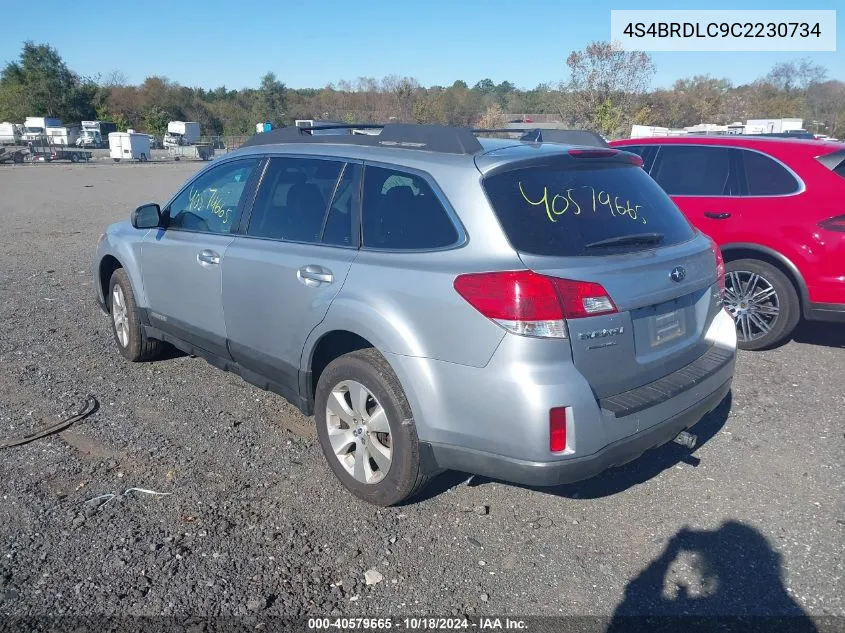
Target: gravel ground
(255, 524)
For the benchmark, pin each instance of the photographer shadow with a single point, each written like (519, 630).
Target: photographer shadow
(733, 583)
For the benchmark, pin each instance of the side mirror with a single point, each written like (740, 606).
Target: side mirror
(147, 216)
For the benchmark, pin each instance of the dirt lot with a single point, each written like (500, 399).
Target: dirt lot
(255, 524)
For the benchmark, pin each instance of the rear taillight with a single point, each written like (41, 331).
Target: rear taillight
(720, 266)
(557, 429)
(592, 153)
(836, 223)
(530, 304)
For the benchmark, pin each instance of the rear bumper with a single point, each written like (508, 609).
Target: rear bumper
(494, 420)
(533, 473)
(826, 312)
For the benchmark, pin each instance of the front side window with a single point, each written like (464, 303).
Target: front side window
(693, 170)
(401, 212)
(293, 198)
(210, 203)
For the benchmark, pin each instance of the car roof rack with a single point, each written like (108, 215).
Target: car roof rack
(434, 138)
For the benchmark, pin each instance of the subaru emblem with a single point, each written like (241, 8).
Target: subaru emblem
(678, 274)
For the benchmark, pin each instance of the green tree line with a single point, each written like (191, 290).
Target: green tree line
(607, 89)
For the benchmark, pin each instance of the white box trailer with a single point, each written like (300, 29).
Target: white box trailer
(10, 133)
(772, 126)
(64, 135)
(129, 146)
(182, 133)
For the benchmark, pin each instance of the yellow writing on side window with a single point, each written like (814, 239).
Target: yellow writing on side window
(197, 202)
(560, 203)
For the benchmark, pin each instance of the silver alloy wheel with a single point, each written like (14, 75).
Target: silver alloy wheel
(120, 316)
(359, 432)
(753, 302)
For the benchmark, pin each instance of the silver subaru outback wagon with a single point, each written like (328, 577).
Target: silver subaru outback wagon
(528, 311)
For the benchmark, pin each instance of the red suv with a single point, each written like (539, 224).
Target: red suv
(776, 207)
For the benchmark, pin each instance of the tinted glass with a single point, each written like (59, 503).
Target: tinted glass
(765, 177)
(552, 211)
(400, 211)
(684, 170)
(210, 203)
(338, 228)
(634, 149)
(292, 199)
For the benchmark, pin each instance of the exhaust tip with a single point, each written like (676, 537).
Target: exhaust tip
(687, 439)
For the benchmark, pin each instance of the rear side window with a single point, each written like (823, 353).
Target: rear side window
(401, 212)
(646, 152)
(766, 177)
(570, 212)
(834, 161)
(689, 170)
(293, 198)
(338, 227)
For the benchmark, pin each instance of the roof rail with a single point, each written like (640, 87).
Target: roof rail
(434, 138)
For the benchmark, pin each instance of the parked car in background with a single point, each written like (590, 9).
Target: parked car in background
(775, 207)
(436, 300)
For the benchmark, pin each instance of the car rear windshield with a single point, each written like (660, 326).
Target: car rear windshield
(591, 210)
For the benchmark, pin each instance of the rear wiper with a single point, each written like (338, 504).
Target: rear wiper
(636, 238)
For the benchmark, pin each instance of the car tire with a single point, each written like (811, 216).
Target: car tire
(132, 342)
(757, 326)
(367, 369)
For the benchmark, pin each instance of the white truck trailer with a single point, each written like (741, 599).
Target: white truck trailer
(129, 146)
(65, 134)
(95, 133)
(10, 133)
(36, 126)
(182, 133)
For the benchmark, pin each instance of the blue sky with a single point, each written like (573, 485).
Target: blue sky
(210, 43)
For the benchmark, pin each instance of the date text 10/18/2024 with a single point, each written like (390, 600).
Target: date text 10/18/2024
(417, 624)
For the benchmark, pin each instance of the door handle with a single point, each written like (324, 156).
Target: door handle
(312, 275)
(208, 257)
(717, 215)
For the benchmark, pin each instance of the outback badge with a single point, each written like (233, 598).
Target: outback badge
(612, 331)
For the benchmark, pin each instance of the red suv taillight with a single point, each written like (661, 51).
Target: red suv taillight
(836, 223)
(530, 304)
(720, 266)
